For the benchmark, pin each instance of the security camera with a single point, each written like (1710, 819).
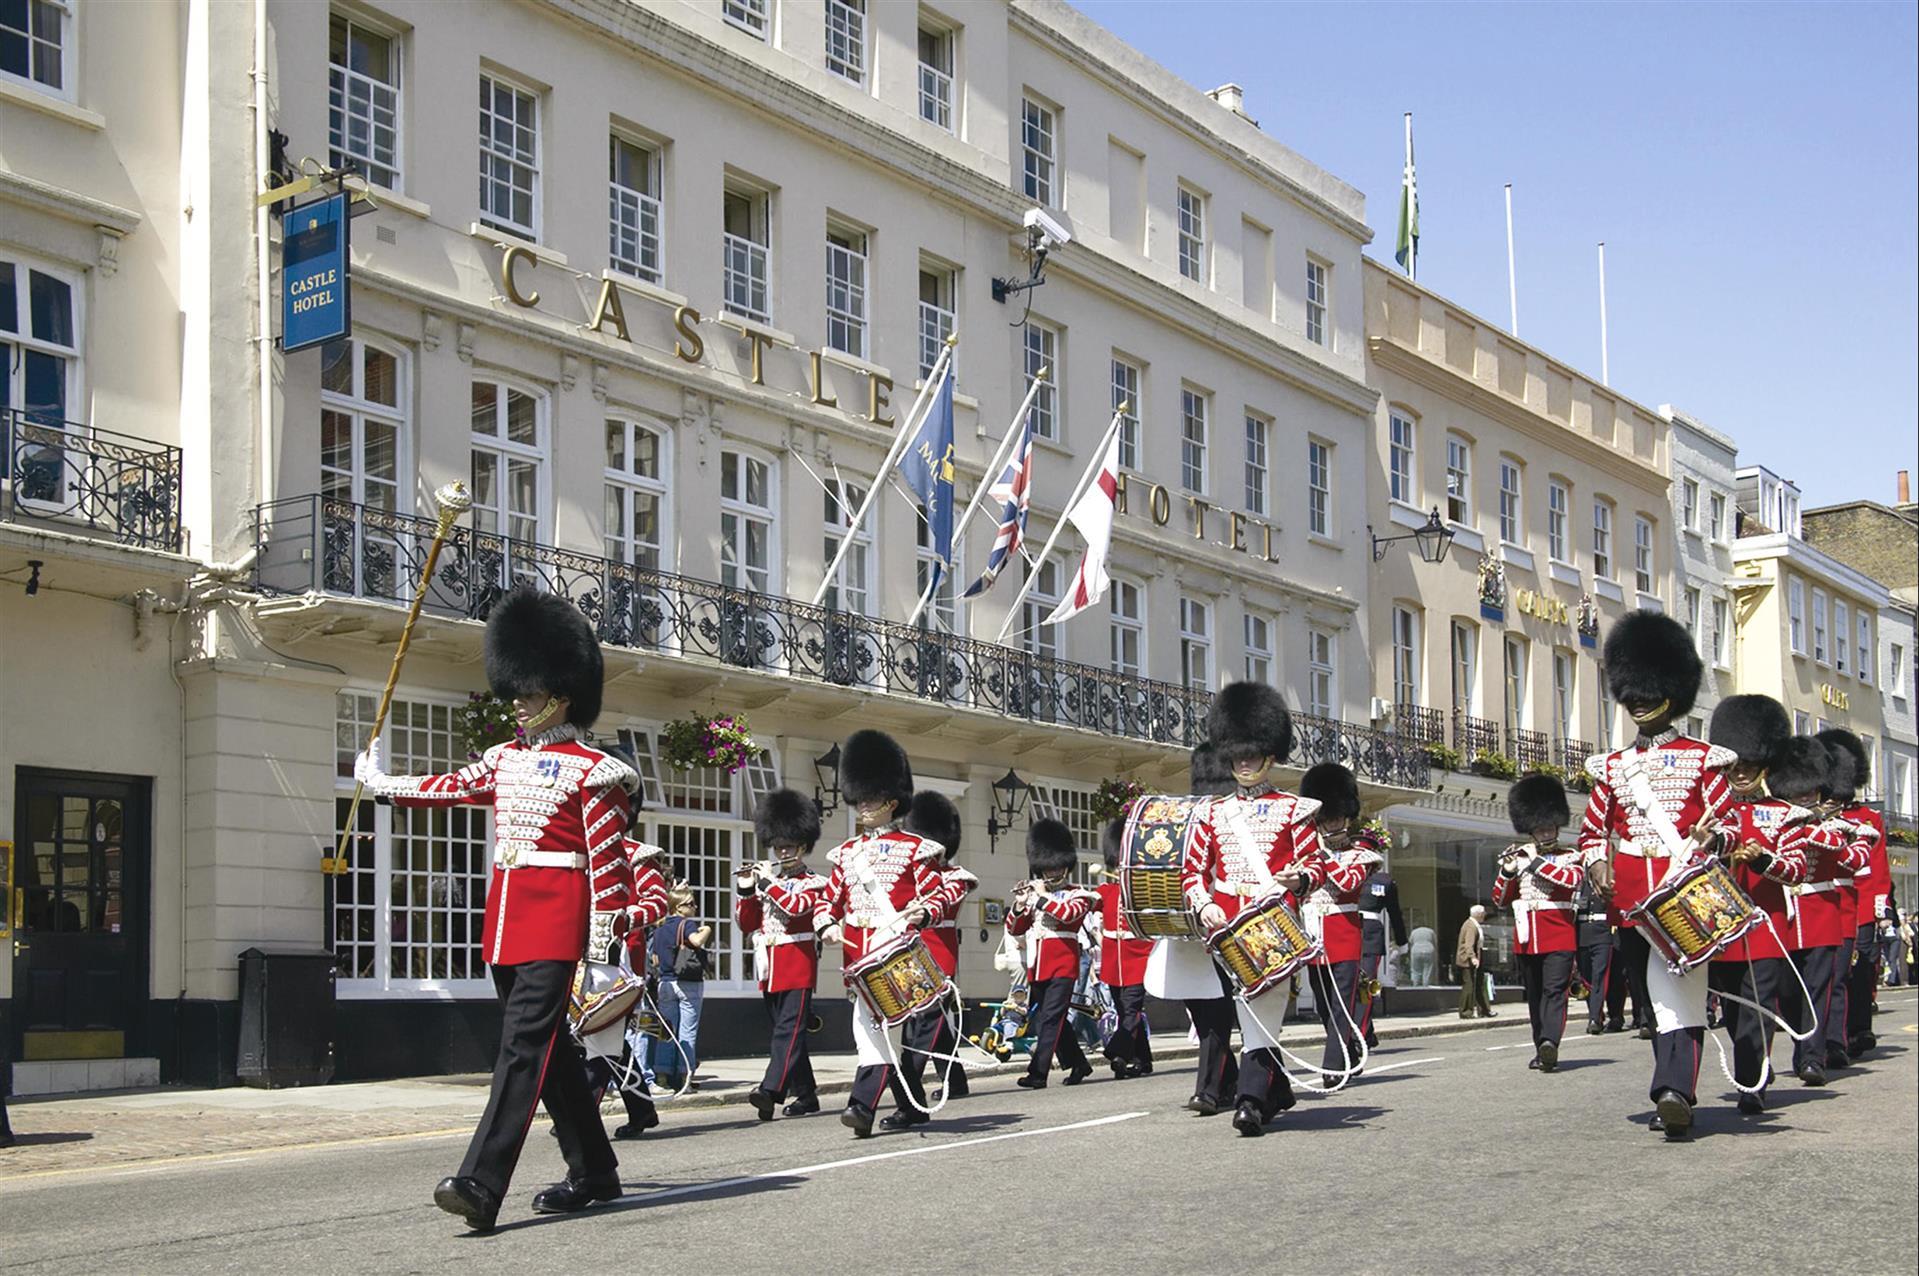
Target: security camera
(1046, 230)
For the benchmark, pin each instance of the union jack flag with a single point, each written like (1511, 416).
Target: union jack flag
(1014, 489)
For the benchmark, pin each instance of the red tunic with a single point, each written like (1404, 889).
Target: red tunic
(1783, 830)
(876, 876)
(1053, 952)
(1823, 918)
(1875, 884)
(560, 813)
(1333, 909)
(779, 916)
(1122, 954)
(942, 936)
(1542, 900)
(650, 903)
(1241, 844)
(1686, 780)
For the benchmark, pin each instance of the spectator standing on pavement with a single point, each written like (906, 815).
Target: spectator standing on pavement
(1424, 959)
(679, 959)
(1469, 957)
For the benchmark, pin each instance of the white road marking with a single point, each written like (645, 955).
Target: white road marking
(1400, 1063)
(155, 1169)
(1528, 1045)
(697, 1189)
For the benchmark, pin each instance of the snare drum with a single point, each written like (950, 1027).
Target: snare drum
(898, 980)
(1152, 850)
(1696, 914)
(1263, 945)
(604, 994)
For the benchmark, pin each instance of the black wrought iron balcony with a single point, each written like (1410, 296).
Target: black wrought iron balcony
(74, 476)
(1418, 725)
(1572, 756)
(1530, 749)
(318, 544)
(1473, 736)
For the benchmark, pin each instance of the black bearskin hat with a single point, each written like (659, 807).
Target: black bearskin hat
(1537, 802)
(1049, 847)
(934, 815)
(1211, 777)
(1249, 720)
(1753, 726)
(1650, 657)
(1853, 751)
(1799, 770)
(873, 768)
(1334, 788)
(539, 642)
(1111, 841)
(784, 817)
(624, 752)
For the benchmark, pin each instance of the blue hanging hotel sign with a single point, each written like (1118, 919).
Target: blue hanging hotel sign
(315, 300)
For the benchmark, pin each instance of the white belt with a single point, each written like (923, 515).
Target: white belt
(1120, 934)
(1808, 888)
(940, 926)
(774, 941)
(1371, 917)
(1543, 905)
(511, 858)
(1627, 846)
(1337, 908)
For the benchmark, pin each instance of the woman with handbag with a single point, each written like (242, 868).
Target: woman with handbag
(680, 963)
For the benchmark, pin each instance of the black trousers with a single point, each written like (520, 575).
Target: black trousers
(1819, 969)
(1861, 981)
(1338, 982)
(1841, 1014)
(1129, 1042)
(1761, 981)
(789, 1063)
(1369, 970)
(1217, 1073)
(1546, 977)
(927, 1034)
(1264, 1082)
(1630, 952)
(1675, 1061)
(1594, 963)
(536, 1065)
(1050, 1000)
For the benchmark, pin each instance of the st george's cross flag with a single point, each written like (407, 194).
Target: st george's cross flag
(1093, 516)
(1014, 490)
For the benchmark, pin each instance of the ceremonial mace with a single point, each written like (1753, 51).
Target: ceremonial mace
(453, 500)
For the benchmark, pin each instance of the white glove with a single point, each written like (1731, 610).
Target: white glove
(370, 766)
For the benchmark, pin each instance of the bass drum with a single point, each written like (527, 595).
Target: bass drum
(1152, 851)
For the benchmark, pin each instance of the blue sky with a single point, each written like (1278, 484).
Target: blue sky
(1751, 168)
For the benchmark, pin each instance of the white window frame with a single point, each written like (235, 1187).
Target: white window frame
(853, 589)
(1512, 512)
(1721, 634)
(1405, 655)
(1565, 692)
(1195, 415)
(1863, 649)
(1644, 577)
(738, 515)
(1258, 476)
(1842, 633)
(1896, 671)
(1322, 672)
(1041, 640)
(845, 53)
(1796, 615)
(1319, 296)
(936, 104)
(1516, 655)
(1126, 628)
(944, 610)
(627, 485)
(1559, 501)
(847, 266)
(507, 451)
(1821, 635)
(1319, 487)
(360, 410)
(1039, 152)
(636, 218)
(1459, 479)
(1040, 343)
(755, 17)
(939, 316)
(1689, 504)
(1402, 462)
(1194, 248)
(746, 261)
(346, 88)
(1195, 643)
(1694, 602)
(1603, 565)
(1716, 516)
(1126, 379)
(1256, 637)
(1463, 648)
(65, 40)
(492, 83)
(24, 342)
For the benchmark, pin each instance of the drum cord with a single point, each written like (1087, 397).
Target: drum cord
(1766, 1073)
(1353, 1068)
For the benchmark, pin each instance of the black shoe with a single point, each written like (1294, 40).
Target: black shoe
(1594, 1027)
(763, 1103)
(1675, 1115)
(1372, 1042)
(1120, 1070)
(468, 1199)
(1465, 1014)
(1248, 1119)
(802, 1107)
(1647, 1034)
(1078, 1074)
(904, 1119)
(1657, 1125)
(1031, 1082)
(1533, 1063)
(1751, 1104)
(1811, 1074)
(859, 1120)
(1837, 1059)
(1141, 1070)
(1858, 1046)
(1615, 1025)
(574, 1195)
(1205, 1107)
(641, 1116)
(1549, 1056)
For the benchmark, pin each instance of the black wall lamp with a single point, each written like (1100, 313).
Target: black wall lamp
(1009, 803)
(826, 781)
(33, 581)
(1434, 538)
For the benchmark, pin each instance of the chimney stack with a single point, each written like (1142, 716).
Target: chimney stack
(1233, 98)
(1905, 487)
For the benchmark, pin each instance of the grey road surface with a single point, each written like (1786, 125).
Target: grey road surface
(1449, 1157)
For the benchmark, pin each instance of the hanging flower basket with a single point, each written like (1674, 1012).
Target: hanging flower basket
(1112, 798)
(723, 742)
(484, 721)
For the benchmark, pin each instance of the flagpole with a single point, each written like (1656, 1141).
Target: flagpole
(1409, 185)
(1605, 371)
(1086, 480)
(986, 481)
(1512, 279)
(905, 436)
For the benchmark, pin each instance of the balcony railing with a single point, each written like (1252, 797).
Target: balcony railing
(1473, 735)
(1572, 756)
(1419, 726)
(317, 544)
(1530, 749)
(68, 474)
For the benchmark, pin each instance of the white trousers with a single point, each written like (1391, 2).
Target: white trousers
(1181, 970)
(876, 1043)
(1271, 1007)
(1678, 1001)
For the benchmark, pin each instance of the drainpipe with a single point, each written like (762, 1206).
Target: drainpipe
(263, 262)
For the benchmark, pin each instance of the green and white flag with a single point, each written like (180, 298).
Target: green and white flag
(1407, 252)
